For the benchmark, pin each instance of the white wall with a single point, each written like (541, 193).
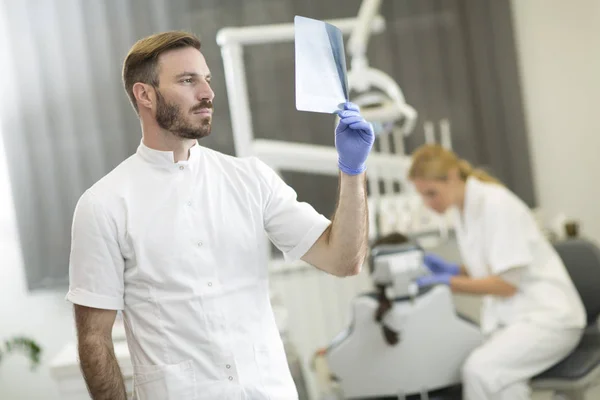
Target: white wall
(559, 49)
(558, 44)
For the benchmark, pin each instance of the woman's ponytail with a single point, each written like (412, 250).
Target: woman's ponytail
(432, 161)
(466, 169)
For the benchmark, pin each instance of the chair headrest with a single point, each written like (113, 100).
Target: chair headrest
(582, 260)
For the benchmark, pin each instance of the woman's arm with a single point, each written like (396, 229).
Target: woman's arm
(493, 285)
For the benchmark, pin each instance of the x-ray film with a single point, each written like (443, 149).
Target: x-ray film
(321, 80)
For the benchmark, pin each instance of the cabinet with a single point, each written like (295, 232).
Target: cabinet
(66, 372)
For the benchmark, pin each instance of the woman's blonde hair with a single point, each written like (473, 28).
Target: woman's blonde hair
(432, 161)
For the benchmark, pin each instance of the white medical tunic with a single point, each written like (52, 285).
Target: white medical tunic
(180, 248)
(498, 235)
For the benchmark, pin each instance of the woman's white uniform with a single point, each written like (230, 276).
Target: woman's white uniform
(538, 326)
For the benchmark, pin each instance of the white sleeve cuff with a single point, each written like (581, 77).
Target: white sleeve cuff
(308, 240)
(502, 266)
(89, 299)
(513, 275)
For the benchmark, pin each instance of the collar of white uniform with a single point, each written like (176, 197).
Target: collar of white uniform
(470, 188)
(166, 159)
(473, 191)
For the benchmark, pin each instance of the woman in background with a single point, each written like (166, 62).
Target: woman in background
(532, 315)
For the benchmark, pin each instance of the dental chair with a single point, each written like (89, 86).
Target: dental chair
(410, 345)
(579, 371)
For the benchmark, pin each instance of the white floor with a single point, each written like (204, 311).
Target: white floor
(593, 394)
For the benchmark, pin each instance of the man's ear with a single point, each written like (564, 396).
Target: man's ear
(144, 94)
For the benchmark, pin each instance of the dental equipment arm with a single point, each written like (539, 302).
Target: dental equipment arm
(357, 44)
(362, 78)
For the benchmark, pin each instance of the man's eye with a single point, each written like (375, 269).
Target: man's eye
(187, 80)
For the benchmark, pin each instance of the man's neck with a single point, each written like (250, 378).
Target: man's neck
(159, 139)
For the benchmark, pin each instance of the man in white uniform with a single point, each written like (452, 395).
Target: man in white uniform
(174, 237)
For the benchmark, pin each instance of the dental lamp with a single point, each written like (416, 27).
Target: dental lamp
(378, 94)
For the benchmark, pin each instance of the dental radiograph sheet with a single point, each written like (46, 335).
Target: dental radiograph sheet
(321, 77)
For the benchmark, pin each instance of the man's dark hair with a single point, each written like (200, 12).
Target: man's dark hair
(141, 63)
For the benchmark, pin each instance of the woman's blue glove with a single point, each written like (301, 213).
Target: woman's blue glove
(436, 279)
(354, 139)
(441, 269)
(438, 265)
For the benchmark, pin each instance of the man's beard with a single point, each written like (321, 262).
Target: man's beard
(169, 117)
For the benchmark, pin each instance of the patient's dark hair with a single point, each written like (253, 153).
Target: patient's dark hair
(384, 304)
(392, 238)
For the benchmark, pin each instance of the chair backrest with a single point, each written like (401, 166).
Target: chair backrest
(582, 260)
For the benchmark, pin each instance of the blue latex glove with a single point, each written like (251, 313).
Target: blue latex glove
(435, 279)
(354, 139)
(438, 265)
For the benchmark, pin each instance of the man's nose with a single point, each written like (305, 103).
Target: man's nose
(205, 92)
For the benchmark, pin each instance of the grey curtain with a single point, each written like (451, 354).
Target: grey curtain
(70, 121)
